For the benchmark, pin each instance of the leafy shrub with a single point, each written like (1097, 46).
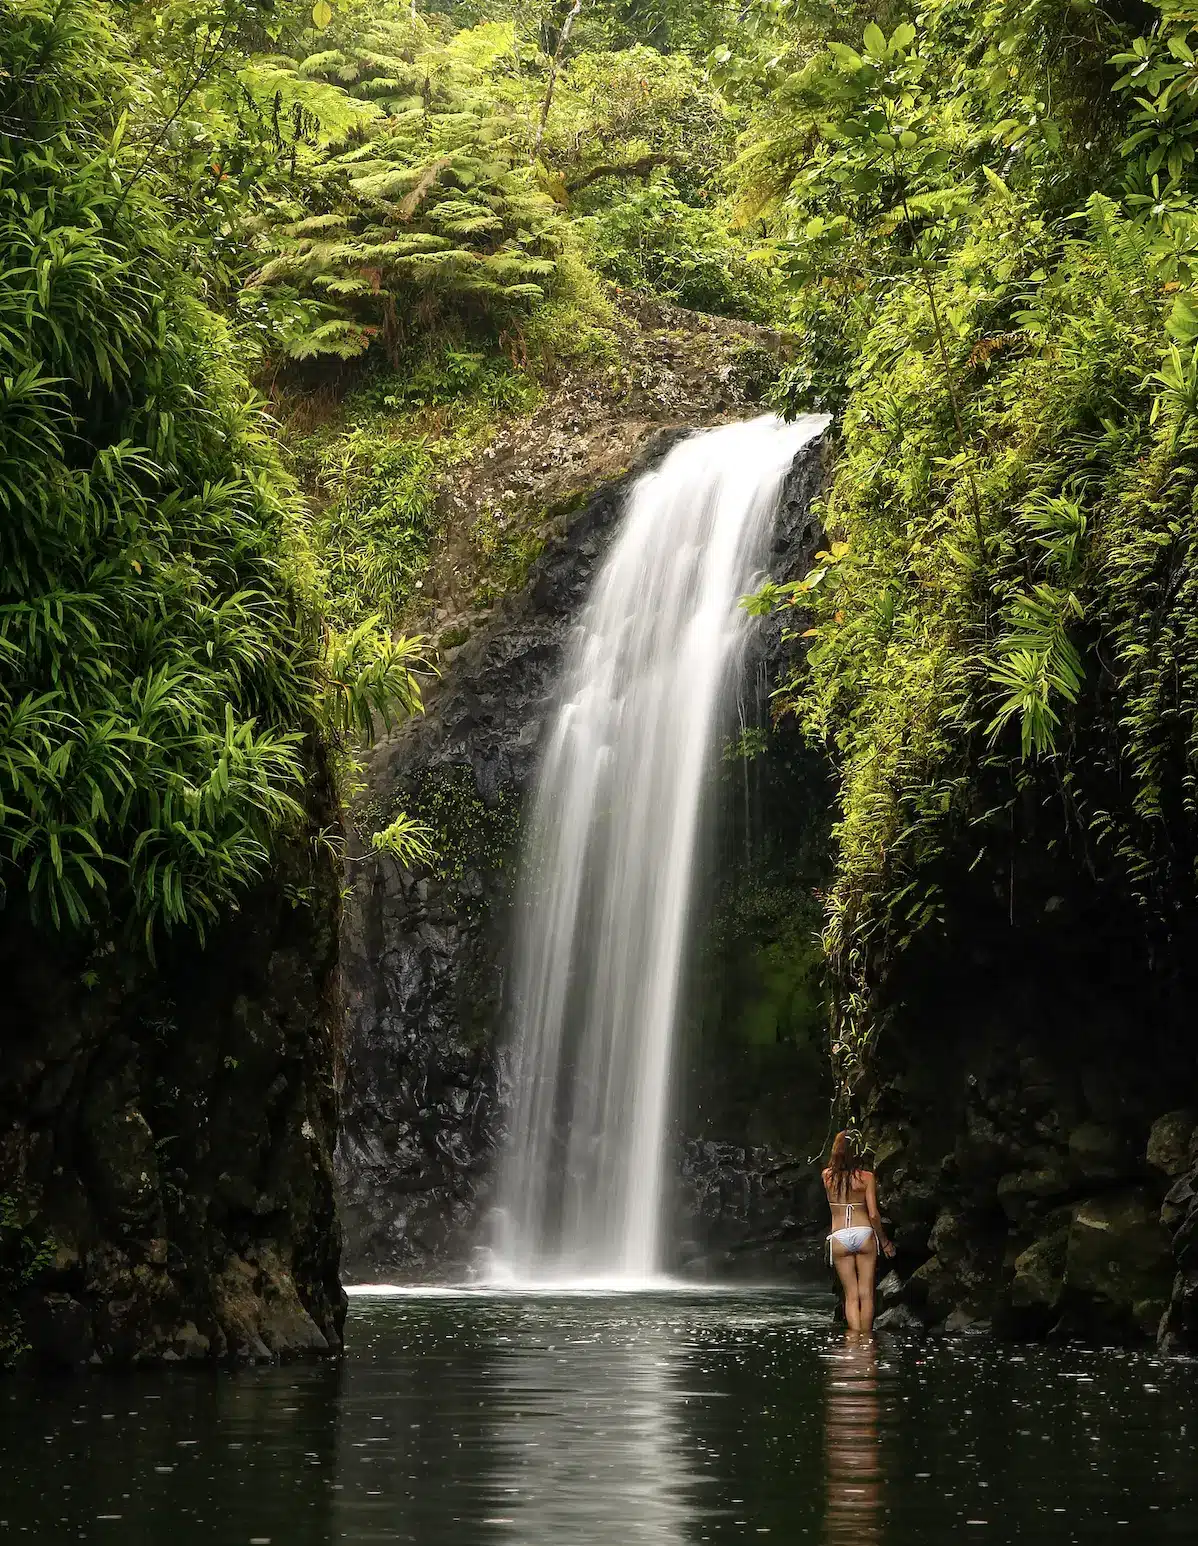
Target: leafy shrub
(429, 213)
(157, 660)
(25, 1252)
(373, 521)
(1005, 619)
(650, 239)
(162, 658)
(614, 107)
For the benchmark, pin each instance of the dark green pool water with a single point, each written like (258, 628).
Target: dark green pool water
(475, 1421)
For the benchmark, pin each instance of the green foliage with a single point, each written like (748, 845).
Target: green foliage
(507, 543)
(651, 239)
(467, 832)
(155, 671)
(404, 840)
(368, 680)
(427, 212)
(615, 107)
(161, 657)
(1007, 609)
(372, 521)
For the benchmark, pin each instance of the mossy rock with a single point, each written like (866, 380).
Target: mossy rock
(1118, 1261)
(1040, 1273)
(1024, 1192)
(1171, 1142)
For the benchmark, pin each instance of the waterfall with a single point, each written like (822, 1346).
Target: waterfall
(609, 859)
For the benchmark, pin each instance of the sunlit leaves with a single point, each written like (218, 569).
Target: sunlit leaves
(425, 203)
(405, 840)
(1037, 666)
(369, 680)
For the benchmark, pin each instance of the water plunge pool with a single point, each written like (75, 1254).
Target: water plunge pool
(488, 1419)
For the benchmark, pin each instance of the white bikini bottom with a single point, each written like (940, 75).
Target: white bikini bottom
(853, 1240)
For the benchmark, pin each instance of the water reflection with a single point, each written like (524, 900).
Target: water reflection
(851, 1443)
(567, 1448)
(627, 1420)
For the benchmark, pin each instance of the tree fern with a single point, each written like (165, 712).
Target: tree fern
(435, 212)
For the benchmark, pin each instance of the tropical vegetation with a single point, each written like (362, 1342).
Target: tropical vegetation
(987, 220)
(271, 270)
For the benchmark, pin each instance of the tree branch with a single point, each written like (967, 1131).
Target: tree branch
(641, 167)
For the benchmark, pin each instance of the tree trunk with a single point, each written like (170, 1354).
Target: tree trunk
(563, 39)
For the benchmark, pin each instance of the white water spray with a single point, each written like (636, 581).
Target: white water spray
(610, 856)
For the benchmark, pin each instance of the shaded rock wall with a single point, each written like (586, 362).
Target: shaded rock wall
(166, 1134)
(423, 955)
(753, 1078)
(1032, 1112)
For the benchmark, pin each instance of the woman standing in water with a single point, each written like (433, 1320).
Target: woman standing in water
(853, 1246)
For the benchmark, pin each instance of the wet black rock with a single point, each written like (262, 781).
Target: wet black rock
(900, 1318)
(166, 1136)
(747, 1213)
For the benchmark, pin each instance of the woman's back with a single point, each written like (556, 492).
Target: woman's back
(846, 1192)
(857, 1234)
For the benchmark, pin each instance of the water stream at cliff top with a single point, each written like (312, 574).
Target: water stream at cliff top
(609, 862)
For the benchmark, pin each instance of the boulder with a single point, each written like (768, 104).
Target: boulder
(1100, 1153)
(1039, 1280)
(931, 1290)
(1118, 1264)
(963, 1322)
(1179, 1327)
(1170, 1141)
(1025, 1192)
(1179, 1200)
(950, 1237)
(900, 1318)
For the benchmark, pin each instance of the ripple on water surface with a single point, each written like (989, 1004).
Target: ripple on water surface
(604, 1419)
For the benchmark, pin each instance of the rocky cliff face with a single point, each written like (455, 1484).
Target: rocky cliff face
(423, 955)
(1034, 1111)
(166, 1134)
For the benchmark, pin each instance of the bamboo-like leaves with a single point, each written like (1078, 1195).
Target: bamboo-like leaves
(157, 673)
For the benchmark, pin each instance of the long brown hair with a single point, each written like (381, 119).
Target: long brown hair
(844, 1164)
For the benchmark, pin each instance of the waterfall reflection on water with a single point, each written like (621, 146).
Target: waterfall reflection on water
(561, 1461)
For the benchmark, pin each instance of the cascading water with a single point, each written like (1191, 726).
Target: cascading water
(610, 856)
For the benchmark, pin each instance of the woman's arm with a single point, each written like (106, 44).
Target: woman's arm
(875, 1218)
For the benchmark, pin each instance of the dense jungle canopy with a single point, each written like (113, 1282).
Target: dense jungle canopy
(268, 270)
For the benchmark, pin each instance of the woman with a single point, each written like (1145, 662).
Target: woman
(852, 1245)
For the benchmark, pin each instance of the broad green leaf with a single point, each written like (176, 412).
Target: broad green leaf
(875, 40)
(997, 183)
(1183, 321)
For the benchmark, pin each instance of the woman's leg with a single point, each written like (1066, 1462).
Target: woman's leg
(867, 1263)
(846, 1270)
